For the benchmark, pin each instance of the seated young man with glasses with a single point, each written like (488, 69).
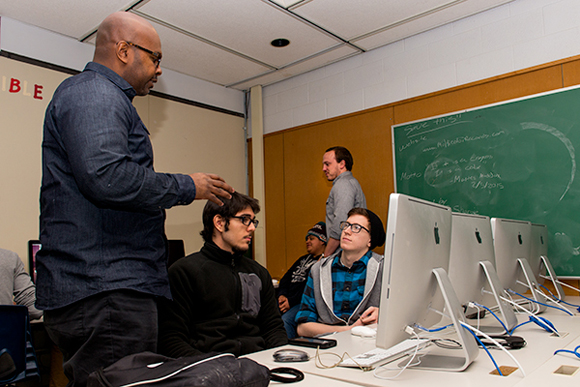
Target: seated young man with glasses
(222, 301)
(344, 289)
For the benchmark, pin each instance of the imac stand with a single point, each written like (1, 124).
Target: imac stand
(509, 317)
(468, 344)
(553, 277)
(532, 284)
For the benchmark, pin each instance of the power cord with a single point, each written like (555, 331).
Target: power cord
(318, 361)
(560, 300)
(472, 330)
(534, 308)
(473, 304)
(486, 350)
(553, 299)
(574, 352)
(561, 283)
(409, 330)
(540, 303)
(548, 325)
(430, 330)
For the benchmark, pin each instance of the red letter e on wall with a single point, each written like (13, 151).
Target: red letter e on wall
(38, 91)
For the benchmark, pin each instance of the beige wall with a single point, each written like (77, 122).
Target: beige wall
(189, 139)
(21, 118)
(185, 139)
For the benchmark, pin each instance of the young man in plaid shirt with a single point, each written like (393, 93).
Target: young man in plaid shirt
(343, 290)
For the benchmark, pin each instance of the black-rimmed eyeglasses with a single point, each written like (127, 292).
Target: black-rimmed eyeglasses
(246, 220)
(156, 55)
(355, 227)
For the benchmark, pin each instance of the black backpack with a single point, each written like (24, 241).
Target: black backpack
(208, 370)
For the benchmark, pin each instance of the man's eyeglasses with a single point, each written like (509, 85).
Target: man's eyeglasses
(355, 227)
(156, 55)
(246, 220)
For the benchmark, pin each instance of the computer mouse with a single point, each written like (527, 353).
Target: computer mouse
(363, 331)
(290, 355)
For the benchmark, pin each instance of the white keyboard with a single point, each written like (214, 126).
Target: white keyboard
(379, 356)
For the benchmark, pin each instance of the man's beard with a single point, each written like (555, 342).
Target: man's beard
(239, 251)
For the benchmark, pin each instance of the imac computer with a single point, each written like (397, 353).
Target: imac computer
(33, 247)
(512, 240)
(416, 290)
(539, 261)
(472, 268)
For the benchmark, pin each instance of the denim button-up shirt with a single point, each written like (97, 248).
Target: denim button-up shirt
(102, 204)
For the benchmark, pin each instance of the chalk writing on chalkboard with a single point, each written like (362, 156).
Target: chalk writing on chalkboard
(514, 160)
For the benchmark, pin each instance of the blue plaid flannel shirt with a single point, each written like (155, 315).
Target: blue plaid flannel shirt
(348, 286)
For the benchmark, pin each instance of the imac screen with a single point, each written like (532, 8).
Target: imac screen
(471, 242)
(511, 241)
(33, 247)
(418, 240)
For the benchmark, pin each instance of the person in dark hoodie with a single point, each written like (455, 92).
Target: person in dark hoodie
(222, 301)
(292, 283)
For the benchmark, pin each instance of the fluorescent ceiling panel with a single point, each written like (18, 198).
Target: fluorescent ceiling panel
(246, 27)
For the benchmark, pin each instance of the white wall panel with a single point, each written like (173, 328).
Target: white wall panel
(518, 35)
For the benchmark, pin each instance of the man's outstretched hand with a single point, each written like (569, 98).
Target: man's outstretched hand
(211, 187)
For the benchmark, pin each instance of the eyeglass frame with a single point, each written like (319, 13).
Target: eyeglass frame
(249, 220)
(156, 55)
(344, 225)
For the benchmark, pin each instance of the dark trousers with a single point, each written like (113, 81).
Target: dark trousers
(99, 330)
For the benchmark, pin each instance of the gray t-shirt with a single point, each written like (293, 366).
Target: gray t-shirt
(346, 193)
(15, 283)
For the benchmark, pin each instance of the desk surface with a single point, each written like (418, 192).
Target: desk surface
(537, 359)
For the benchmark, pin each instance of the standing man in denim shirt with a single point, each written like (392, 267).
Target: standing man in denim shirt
(346, 193)
(102, 264)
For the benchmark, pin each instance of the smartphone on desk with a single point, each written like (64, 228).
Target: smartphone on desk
(313, 342)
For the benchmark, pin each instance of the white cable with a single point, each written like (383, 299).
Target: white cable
(564, 284)
(408, 330)
(516, 305)
(536, 306)
(478, 318)
(555, 301)
(568, 286)
(530, 313)
(511, 301)
(467, 326)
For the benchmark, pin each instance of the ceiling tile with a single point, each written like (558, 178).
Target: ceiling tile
(246, 27)
(424, 23)
(190, 56)
(337, 54)
(67, 17)
(350, 19)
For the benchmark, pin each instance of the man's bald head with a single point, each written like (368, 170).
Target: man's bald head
(117, 27)
(118, 38)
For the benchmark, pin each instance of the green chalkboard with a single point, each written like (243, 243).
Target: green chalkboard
(514, 160)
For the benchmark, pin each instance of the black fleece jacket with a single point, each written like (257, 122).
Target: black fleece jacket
(222, 302)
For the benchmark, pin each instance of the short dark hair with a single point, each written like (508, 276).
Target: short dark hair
(340, 154)
(360, 211)
(231, 207)
(376, 229)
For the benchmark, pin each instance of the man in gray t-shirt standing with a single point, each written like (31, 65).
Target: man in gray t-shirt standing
(345, 194)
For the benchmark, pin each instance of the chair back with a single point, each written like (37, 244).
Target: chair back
(15, 339)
